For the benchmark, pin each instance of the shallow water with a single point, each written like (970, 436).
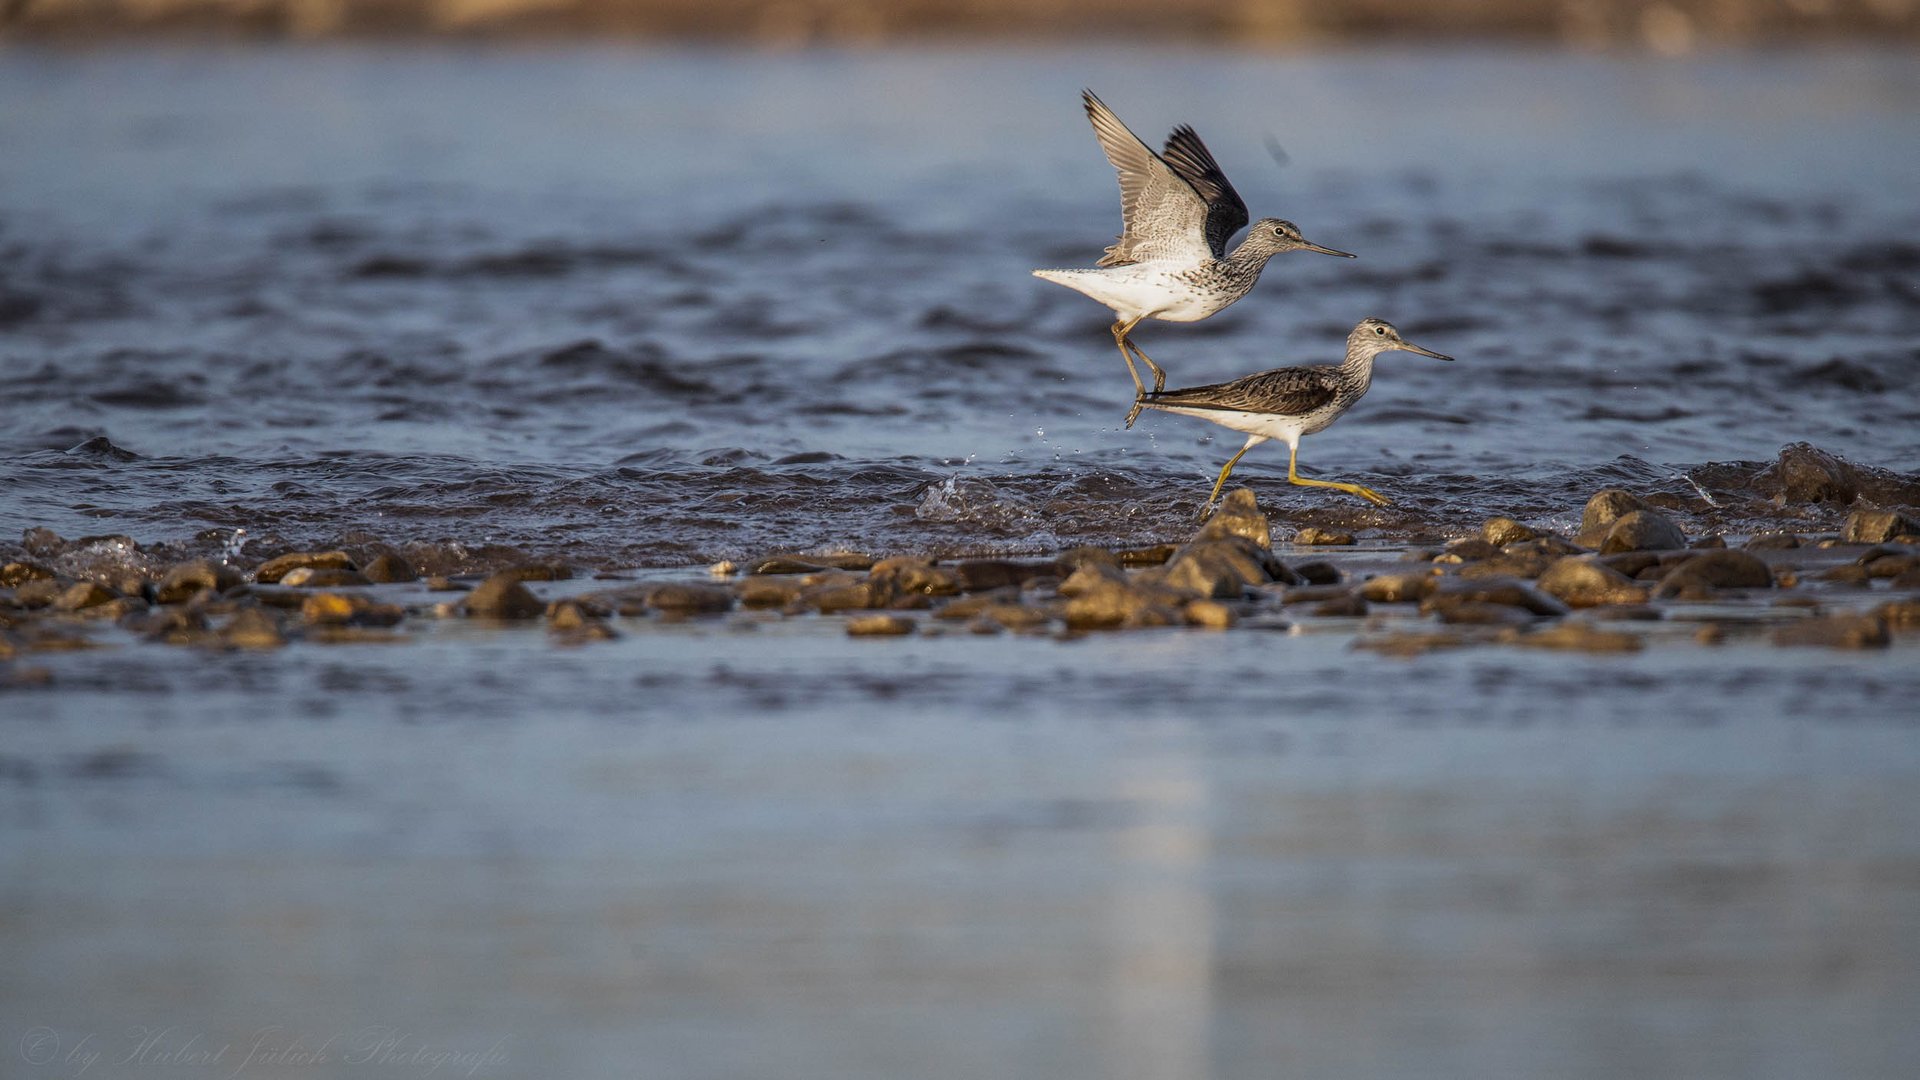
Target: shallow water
(541, 296)
(653, 308)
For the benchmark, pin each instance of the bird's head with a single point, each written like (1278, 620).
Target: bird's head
(1273, 236)
(1378, 336)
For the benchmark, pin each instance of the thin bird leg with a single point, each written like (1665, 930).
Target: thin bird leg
(1207, 508)
(1293, 477)
(1123, 336)
(1120, 329)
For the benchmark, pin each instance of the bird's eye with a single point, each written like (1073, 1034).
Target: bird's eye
(1381, 330)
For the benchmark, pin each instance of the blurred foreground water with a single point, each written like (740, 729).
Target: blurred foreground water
(652, 308)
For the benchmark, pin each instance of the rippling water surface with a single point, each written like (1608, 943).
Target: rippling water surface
(651, 308)
(658, 307)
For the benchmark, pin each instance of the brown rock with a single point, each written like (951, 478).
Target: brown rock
(1900, 614)
(689, 598)
(252, 628)
(388, 568)
(307, 577)
(1350, 606)
(19, 573)
(1088, 555)
(880, 626)
(905, 574)
(1407, 645)
(276, 568)
(1850, 575)
(1721, 569)
(1583, 581)
(183, 581)
(1804, 474)
(981, 575)
(1210, 614)
(1319, 572)
(1222, 568)
(1505, 592)
(1151, 555)
(82, 595)
(1579, 636)
(1501, 531)
(857, 596)
(548, 571)
(1837, 632)
(1877, 527)
(1642, 530)
(1018, 617)
(1238, 515)
(502, 596)
(1471, 549)
(38, 593)
(1315, 536)
(1457, 609)
(1397, 588)
(340, 609)
(1772, 542)
(1605, 508)
(768, 591)
(1102, 598)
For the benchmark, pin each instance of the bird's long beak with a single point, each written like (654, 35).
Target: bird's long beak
(1310, 246)
(1408, 346)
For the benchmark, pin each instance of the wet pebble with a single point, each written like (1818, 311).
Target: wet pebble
(1773, 542)
(1397, 588)
(1505, 592)
(278, 567)
(1221, 568)
(252, 628)
(1471, 549)
(341, 609)
(1408, 644)
(905, 574)
(1576, 635)
(1501, 531)
(1602, 510)
(183, 581)
(1642, 530)
(1836, 632)
(1238, 515)
(1209, 614)
(880, 626)
(503, 596)
(690, 598)
(82, 595)
(1319, 572)
(1879, 527)
(389, 569)
(307, 577)
(19, 573)
(980, 575)
(1698, 577)
(771, 591)
(1315, 536)
(1583, 581)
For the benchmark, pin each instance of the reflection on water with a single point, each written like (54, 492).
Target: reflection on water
(705, 853)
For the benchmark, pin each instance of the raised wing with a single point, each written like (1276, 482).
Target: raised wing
(1291, 391)
(1162, 216)
(1188, 157)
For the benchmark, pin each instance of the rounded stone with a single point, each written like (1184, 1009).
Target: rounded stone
(502, 596)
(1642, 530)
(880, 626)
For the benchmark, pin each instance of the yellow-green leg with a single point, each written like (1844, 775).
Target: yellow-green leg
(1293, 477)
(1227, 469)
(1122, 336)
